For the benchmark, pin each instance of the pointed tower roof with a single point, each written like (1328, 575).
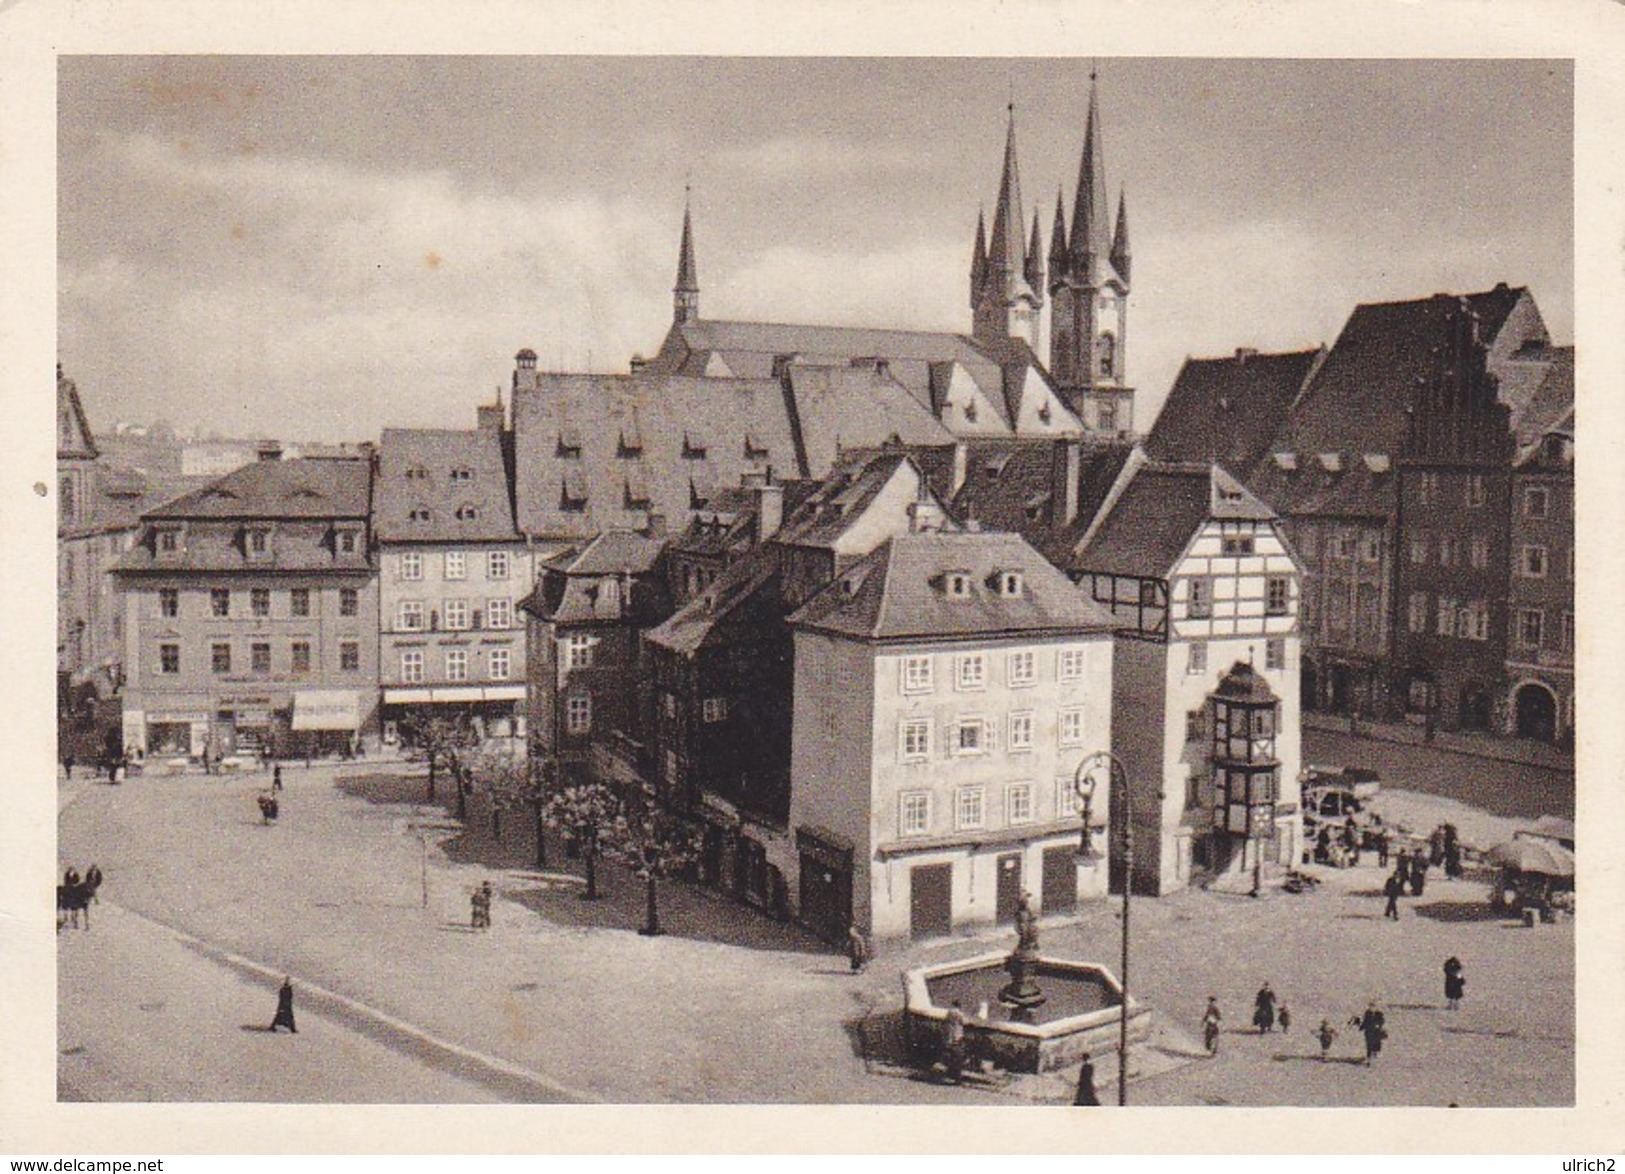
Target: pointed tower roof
(1006, 256)
(978, 261)
(1057, 241)
(688, 278)
(1090, 226)
(1035, 260)
(1122, 257)
(73, 438)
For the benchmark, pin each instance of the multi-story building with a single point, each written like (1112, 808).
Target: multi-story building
(251, 615)
(948, 688)
(75, 464)
(1540, 646)
(1205, 588)
(588, 676)
(1228, 410)
(452, 569)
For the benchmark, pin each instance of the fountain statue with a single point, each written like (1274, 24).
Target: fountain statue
(1021, 994)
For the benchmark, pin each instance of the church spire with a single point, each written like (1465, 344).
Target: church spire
(1057, 244)
(978, 261)
(1122, 258)
(1006, 260)
(1090, 223)
(1035, 261)
(685, 300)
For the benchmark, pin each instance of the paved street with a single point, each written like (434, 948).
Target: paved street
(728, 1006)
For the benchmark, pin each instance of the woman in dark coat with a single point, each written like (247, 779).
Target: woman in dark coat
(1455, 982)
(1086, 1094)
(1373, 1026)
(1419, 874)
(1264, 1009)
(284, 1008)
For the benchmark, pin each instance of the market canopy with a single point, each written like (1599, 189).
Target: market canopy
(326, 709)
(1545, 857)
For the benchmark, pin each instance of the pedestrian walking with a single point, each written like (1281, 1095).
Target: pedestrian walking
(1284, 1017)
(1373, 1025)
(1325, 1035)
(1455, 982)
(1210, 1026)
(1419, 874)
(857, 949)
(1264, 1009)
(1382, 846)
(1086, 1094)
(1351, 842)
(67, 765)
(953, 1043)
(284, 1008)
(276, 777)
(1392, 888)
(268, 808)
(479, 916)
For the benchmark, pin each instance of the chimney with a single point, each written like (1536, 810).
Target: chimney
(268, 450)
(1243, 353)
(490, 417)
(524, 370)
(769, 510)
(1068, 471)
(638, 364)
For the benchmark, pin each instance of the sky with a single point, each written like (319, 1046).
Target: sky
(320, 247)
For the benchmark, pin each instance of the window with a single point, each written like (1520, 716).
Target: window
(348, 540)
(1341, 545)
(1371, 548)
(412, 667)
(411, 567)
(714, 709)
(457, 615)
(500, 663)
(1010, 583)
(1021, 669)
(1200, 599)
(578, 652)
(957, 585)
(1475, 490)
(670, 706)
(914, 813)
(917, 674)
(1275, 654)
(1071, 664)
(349, 656)
(1418, 614)
(1473, 621)
(1480, 552)
(1071, 727)
(1276, 592)
(1306, 543)
(915, 739)
(1108, 353)
(1427, 488)
(1106, 415)
(1066, 799)
(300, 656)
(970, 805)
(220, 657)
(1018, 803)
(260, 657)
(417, 473)
(258, 543)
(467, 513)
(1419, 548)
(1445, 622)
(1195, 725)
(499, 613)
(456, 564)
(169, 658)
(1196, 661)
(496, 564)
(462, 475)
(972, 671)
(1533, 563)
(299, 601)
(349, 601)
(419, 513)
(411, 615)
(1021, 731)
(673, 767)
(456, 664)
(169, 602)
(169, 541)
(219, 602)
(578, 713)
(1536, 501)
(970, 736)
(1568, 632)
(1237, 544)
(1531, 623)
(259, 602)
(1447, 550)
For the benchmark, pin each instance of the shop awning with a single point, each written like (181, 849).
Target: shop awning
(326, 709)
(407, 696)
(464, 693)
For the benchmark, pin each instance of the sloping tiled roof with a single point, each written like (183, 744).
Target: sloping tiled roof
(597, 452)
(1552, 401)
(320, 487)
(572, 591)
(845, 495)
(617, 552)
(692, 625)
(457, 477)
(899, 592)
(1228, 410)
(1160, 509)
(120, 497)
(854, 407)
(1017, 486)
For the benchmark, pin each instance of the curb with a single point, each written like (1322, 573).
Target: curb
(510, 1080)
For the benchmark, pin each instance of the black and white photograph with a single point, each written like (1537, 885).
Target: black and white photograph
(995, 578)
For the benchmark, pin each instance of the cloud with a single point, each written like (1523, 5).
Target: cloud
(790, 157)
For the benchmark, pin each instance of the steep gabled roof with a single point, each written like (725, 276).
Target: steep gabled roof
(1018, 486)
(318, 487)
(1157, 512)
(456, 478)
(692, 626)
(1229, 410)
(73, 438)
(849, 407)
(572, 590)
(901, 592)
(1552, 401)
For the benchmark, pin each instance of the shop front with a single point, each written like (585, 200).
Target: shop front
(325, 721)
(492, 711)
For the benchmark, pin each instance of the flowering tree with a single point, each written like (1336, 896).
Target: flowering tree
(657, 845)
(516, 784)
(447, 740)
(588, 813)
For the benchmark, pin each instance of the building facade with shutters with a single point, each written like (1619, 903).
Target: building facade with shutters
(1540, 701)
(947, 689)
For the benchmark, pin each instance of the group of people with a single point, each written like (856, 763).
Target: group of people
(75, 895)
(270, 805)
(1410, 871)
(479, 916)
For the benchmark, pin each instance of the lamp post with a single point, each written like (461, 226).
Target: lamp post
(1086, 781)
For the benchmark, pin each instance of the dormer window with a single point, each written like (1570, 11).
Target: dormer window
(347, 541)
(1229, 494)
(970, 412)
(755, 450)
(573, 492)
(419, 513)
(168, 541)
(693, 447)
(257, 542)
(1378, 463)
(1009, 584)
(1044, 412)
(569, 447)
(630, 444)
(462, 475)
(956, 585)
(636, 496)
(1332, 462)
(1287, 462)
(417, 473)
(467, 513)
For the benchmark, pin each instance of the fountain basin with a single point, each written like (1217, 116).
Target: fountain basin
(1081, 1012)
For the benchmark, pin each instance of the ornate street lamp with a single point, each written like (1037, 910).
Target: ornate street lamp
(1104, 766)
